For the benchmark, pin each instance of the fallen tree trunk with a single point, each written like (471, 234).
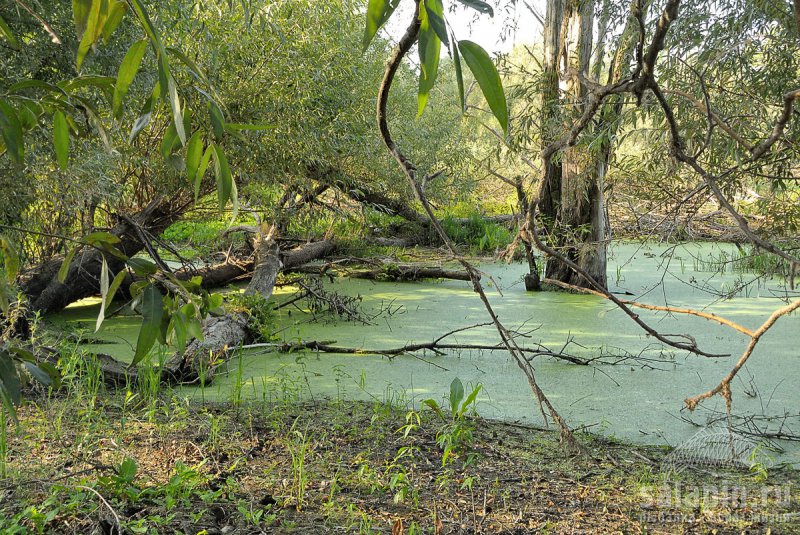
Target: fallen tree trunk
(389, 272)
(233, 269)
(47, 294)
(222, 333)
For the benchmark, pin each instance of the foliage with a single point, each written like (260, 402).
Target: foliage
(456, 436)
(481, 235)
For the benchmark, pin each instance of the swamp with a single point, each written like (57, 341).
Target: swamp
(399, 266)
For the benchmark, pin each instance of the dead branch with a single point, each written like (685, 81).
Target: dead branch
(409, 170)
(671, 310)
(724, 386)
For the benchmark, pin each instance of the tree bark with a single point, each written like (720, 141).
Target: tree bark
(220, 334)
(47, 295)
(573, 207)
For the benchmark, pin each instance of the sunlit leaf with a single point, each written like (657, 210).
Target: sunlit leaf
(80, 15)
(91, 30)
(65, 264)
(201, 171)
(429, 50)
(99, 238)
(115, 14)
(378, 12)
(175, 105)
(488, 79)
(435, 12)
(115, 284)
(194, 153)
(127, 72)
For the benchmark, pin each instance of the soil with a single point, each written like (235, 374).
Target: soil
(105, 464)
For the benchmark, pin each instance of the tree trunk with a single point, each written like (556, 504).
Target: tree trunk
(46, 294)
(221, 334)
(572, 206)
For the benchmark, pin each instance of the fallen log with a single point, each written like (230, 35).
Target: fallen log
(233, 269)
(47, 294)
(387, 272)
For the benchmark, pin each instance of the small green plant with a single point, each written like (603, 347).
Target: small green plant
(298, 449)
(456, 436)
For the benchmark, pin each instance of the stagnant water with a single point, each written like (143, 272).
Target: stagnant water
(636, 400)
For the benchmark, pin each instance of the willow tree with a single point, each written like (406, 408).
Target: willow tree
(572, 205)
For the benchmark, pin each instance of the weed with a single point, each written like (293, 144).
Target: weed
(456, 435)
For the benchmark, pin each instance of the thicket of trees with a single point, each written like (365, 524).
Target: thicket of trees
(120, 118)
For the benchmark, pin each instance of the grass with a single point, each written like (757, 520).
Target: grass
(87, 459)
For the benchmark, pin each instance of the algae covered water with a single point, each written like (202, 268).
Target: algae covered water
(639, 399)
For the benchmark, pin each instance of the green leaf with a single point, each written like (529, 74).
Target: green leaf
(115, 15)
(191, 65)
(179, 330)
(61, 138)
(456, 395)
(10, 259)
(470, 399)
(127, 470)
(38, 84)
(146, 114)
(459, 74)
(38, 374)
(168, 141)
(103, 294)
(115, 284)
(435, 12)
(488, 79)
(65, 264)
(434, 406)
(100, 238)
(201, 171)
(152, 314)
(89, 80)
(45, 373)
(217, 120)
(194, 153)
(127, 72)
(6, 32)
(142, 266)
(429, 49)
(378, 12)
(91, 30)
(222, 172)
(80, 15)
(479, 6)
(175, 105)
(11, 129)
(9, 379)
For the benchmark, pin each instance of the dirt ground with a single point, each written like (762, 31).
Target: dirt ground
(113, 465)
